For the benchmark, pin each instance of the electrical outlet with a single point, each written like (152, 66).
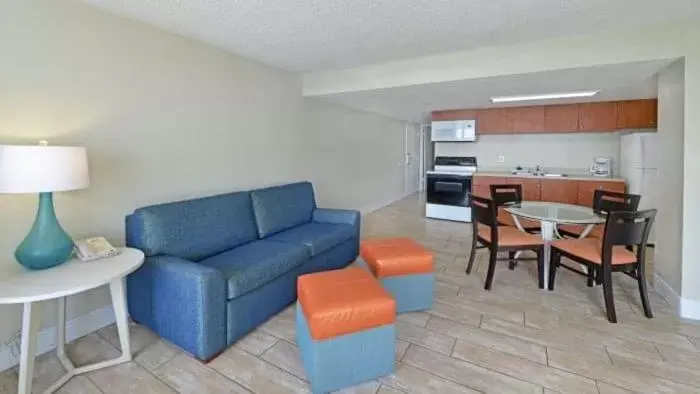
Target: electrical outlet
(501, 159)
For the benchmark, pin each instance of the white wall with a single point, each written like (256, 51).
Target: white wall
(561, 151)
(358, 157)
(669, 220)
(165, 118)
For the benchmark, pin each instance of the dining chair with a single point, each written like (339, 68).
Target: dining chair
(502, 195)
(497, 238)
(610, 254)
(603, 202)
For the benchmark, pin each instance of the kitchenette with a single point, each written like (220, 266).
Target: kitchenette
(558, 153)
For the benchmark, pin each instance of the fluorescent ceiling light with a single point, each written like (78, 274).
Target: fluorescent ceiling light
(547, 96)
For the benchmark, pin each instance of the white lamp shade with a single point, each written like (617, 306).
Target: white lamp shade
(36, 169)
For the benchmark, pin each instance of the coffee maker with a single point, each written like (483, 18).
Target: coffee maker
(602, 167)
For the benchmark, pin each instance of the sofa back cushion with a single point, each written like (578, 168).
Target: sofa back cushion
(282, 207)
(193, 229)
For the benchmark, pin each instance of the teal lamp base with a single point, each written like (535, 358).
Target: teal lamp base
(47, 244)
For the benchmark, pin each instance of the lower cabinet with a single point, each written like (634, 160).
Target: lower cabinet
(553, 190)
(559, 190)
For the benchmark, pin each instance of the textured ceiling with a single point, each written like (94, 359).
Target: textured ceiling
(312, 35)
(414, 103)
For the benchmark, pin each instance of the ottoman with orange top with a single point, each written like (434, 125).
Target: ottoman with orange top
(344, 328)
(405, 269)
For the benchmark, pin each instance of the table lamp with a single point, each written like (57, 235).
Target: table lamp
(43, 169)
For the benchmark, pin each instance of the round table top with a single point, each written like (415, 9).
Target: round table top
(20, 285)
(555, 212)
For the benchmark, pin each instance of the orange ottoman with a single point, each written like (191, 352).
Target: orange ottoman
(405, 269)
(345, 328)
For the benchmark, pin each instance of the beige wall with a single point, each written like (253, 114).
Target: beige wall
(669, 221)
(564, 151)
(358, 157)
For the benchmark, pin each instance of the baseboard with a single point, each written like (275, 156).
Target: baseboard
(686, 308)
(46, 341)
(666, 292)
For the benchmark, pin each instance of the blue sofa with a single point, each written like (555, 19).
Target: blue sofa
(217, 267)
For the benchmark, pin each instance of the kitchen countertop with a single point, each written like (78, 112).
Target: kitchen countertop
(573, 177)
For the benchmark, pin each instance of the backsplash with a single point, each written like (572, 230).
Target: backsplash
(561, 151)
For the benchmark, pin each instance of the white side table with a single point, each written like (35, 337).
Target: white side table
(22, 286)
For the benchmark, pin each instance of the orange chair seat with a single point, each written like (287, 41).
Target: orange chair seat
(396, 256)
(589, 249)
(510, 236)
(344, 301)
(577, 230)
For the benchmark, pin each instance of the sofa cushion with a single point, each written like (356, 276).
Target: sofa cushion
(250, 266)
(282, 207)
(193, 229)
(318, 237)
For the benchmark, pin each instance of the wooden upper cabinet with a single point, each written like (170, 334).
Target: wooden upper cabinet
(586, 189)
(561, 118)
(597, 116)
(527, 119)
(637, 114)
(494, 121)
(531, 187)
(455, 114)
(559, 190)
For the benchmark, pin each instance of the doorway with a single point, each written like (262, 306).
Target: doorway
(412, 149)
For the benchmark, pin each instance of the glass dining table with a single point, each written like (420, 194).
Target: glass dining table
(550, 215)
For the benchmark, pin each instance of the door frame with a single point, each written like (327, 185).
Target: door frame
(408, 188)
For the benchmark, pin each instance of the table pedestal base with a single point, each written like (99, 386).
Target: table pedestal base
(30, 326)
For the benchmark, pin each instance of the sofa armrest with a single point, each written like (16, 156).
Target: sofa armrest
(189, 305)
(339, 216)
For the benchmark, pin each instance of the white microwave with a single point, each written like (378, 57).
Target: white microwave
(453, 131)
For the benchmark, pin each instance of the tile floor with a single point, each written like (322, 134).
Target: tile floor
(514, 339)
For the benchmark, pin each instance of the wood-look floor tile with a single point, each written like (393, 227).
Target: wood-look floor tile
(689, 374)
(79, 385)
(418, 319)
(401, 347)
(459, 315)
(286, 357)
(281, 326)
(412, 380)
(370, 387)
(188, 375)
(389, 390)
(605, 388)
(467, 374)
(612, 374)
(156, 354)
(523, 369)
(419, 336)
(89, 349)
(257, 342)
(489, 309)
(495, 341)
(128, 378)
(140, 336)
(255, 374)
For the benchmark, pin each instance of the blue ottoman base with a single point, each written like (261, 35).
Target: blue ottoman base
(347, 360)
(411, 292)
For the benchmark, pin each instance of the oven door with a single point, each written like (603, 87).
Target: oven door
(448, 189)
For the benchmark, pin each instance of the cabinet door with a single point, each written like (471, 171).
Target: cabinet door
(527, 119)
(457, 114)
(597, 117)
(587, 188)
(561, 118)
(494, 121)
(531, 187)
(637, 114)
(559, 190)
(481, 184)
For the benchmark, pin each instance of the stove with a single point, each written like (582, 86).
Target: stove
(448, 188)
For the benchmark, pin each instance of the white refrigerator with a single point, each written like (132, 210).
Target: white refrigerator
(638, 166)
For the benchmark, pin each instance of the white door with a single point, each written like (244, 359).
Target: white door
(412, 151)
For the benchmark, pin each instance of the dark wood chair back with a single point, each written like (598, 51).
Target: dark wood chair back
(627, 228)
(606, 201)
(505, 194)
(483, 211)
